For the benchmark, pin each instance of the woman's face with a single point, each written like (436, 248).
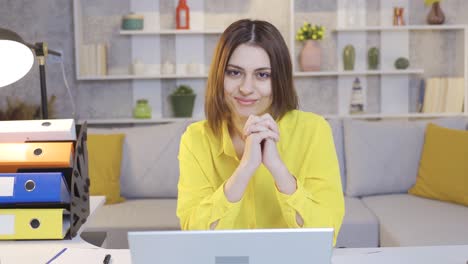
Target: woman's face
(247, 81)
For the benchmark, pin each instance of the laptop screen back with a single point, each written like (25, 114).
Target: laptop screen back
(256, 246)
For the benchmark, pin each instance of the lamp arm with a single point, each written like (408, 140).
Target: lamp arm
(41, 50)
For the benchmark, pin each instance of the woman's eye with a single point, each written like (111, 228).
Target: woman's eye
(264, 75)
(233, 73)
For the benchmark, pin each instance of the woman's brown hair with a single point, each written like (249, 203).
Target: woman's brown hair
(261, 34)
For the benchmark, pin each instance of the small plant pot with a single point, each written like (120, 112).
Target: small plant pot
(182, 105)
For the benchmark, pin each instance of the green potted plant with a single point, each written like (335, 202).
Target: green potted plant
(183, 99)
(310, 57)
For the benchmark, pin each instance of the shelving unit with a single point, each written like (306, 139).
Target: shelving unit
(187, 47)
(393, 85)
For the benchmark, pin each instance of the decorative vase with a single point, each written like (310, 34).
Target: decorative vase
(132, 21)
(373, 58)
(142, 109)
(436, 16)
(182, 15)
(311, 56)
(182, 105)
(349, 56)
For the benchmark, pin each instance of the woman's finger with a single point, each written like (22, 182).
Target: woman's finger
(260, 136)
(255, 129)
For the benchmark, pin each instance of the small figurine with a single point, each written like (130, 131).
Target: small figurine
(357, 98)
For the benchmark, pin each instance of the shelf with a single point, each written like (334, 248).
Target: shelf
(112, 121)
(171, 32)
(204, 76)
(395, 116)
(399, 28)
(353, 73)
(116, 121)
(142, 77)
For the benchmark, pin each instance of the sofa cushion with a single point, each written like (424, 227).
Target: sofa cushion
(150, 168)
(337, 130)
(138, 214)
(408, 220)
(383, 156)
(360, 227)
(443, 170)
(104, 160)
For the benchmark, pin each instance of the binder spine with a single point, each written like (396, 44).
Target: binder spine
(34, 188)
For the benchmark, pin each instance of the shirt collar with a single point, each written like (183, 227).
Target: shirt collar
(226, 145)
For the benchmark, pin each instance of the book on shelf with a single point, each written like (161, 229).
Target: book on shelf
(422, 89)
(93, 59)
(443, 95)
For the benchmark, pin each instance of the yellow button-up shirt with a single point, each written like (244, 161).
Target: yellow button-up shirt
(307, 149)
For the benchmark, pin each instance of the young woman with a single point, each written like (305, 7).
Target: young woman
(257, 162)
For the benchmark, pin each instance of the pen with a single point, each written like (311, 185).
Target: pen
(56, 256)
(107, 259)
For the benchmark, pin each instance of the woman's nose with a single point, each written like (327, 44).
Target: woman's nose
(247, 85)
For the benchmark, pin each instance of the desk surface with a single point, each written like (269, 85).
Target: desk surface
(400, 255)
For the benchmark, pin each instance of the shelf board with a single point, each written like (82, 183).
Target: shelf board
(171, 32)
(111, 121)
(204, 76)
(142, 77)
(395, 116)
(353, 73)
(409, 27)
(116, 121)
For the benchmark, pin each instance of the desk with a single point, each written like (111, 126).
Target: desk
(400, 255)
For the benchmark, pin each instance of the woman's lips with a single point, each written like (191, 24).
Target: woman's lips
(244, 101)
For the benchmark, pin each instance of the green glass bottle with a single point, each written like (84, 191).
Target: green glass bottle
(142, 109)
(349, 56)
(373, 58)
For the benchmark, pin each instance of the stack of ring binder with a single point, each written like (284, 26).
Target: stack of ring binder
(44, 183)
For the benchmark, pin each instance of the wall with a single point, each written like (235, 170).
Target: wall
(52, 21)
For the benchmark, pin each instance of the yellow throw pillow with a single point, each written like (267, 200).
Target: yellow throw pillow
(443, 169)
(104, 159)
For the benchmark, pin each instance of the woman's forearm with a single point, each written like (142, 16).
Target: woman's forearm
(235, 186)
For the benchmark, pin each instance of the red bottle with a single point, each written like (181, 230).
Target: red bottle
(182, 15)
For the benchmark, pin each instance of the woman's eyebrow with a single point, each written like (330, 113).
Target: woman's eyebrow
(235, 66)
(240, 68)
(262, 69)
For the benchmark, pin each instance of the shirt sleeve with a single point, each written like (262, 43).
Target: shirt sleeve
(199, 202)
(318, 198)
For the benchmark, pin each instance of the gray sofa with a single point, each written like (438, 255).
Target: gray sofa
(378, 161)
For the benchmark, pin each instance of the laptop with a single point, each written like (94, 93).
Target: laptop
(254, 246)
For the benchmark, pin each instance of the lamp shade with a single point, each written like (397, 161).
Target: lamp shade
(16, 59)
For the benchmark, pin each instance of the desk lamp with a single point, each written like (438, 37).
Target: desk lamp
(17, 58)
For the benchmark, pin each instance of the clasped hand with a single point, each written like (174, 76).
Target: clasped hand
(260, 134)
